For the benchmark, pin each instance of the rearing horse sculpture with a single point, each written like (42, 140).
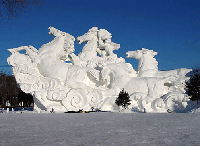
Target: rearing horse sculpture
(90, 50)
(51, 56)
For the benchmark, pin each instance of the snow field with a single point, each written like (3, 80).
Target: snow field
(99, 129)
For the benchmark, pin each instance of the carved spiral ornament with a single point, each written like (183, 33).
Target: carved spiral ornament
(56, 95)
(95, 99)
(76, 100)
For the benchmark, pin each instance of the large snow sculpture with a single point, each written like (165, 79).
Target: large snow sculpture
(95, 76)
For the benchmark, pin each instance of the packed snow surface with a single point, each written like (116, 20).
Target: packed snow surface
(103, 129)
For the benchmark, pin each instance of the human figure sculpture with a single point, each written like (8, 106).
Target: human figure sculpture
(106, 46)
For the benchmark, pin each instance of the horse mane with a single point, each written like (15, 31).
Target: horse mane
(57, 35)
(152, 62)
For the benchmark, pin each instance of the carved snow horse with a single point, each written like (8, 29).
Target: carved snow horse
(174, 79)
(89, 51)
(94, 78)
(49, 58)
(148, 65)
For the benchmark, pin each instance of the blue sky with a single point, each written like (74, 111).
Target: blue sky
(170, 27)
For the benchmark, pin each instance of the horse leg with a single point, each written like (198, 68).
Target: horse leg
(14, 50)
(33, 49)
(155, 88)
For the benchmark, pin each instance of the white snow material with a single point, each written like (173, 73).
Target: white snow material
(197, 110)
(64, 81)
(100, 129)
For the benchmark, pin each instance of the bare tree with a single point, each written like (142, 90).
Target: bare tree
(12, 8)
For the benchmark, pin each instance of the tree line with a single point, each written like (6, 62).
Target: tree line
(11, 96)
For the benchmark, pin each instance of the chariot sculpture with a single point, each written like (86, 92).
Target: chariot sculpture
(59, 79)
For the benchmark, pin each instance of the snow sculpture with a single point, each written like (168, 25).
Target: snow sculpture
(95, 76)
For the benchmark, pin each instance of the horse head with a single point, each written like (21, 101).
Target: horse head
(55, 32)
(88, 36)
(67, 44)
(145, 57)
(138, 54)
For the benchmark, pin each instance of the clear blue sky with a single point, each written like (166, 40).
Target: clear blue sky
(170, 27)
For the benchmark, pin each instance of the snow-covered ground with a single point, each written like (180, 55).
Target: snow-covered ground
(104, 129)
